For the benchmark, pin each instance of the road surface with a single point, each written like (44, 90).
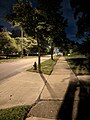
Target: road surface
(9, 69)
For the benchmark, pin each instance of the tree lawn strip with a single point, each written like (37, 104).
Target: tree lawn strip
(46, 66)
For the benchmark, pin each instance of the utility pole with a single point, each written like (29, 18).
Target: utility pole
(22, 41)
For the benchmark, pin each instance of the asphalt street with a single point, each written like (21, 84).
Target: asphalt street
(9, 69)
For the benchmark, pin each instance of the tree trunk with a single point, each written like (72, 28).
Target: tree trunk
(39, 62)
(39, 57)
(51, 53)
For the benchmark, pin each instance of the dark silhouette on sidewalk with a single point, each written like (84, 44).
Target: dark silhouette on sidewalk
(84, 101)
(83, 108)
(65, 112)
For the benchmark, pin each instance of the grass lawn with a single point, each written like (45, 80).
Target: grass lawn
(79, 64)
(46, 66)
(15, 113)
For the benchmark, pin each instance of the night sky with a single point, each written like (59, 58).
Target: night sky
(5, 6)
(67, 12)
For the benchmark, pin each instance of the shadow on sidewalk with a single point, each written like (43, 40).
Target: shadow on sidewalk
(65, 112)
(83, 108)
(84, 101)
(81, 105)
(49, 88)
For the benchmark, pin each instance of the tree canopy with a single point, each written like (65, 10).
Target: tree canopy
(81, 10)
(82, 15)
(42, 21)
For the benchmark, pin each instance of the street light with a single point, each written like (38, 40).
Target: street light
(22, 41)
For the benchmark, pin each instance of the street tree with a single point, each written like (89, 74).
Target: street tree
(30, 19)
(55, 22)
(41, 22)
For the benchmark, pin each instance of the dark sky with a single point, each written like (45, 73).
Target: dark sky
(5, 6)
(67, 11)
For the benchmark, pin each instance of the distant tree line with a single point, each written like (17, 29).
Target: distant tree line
(12, 46)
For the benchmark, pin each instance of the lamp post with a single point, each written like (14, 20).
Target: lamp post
(22, 42)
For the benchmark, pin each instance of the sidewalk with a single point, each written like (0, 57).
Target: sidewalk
(52, 96)
(23, 88)
(56, 100)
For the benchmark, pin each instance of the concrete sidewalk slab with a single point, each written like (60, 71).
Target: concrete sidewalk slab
(46, 109)
(84, 77)
(61, 68)
(37, 118)
(55, 87)
(23, 88)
